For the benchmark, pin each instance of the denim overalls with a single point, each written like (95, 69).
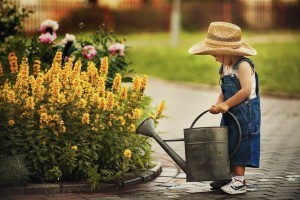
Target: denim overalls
(249, 117)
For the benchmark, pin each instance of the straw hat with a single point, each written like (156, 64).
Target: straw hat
(222, 38)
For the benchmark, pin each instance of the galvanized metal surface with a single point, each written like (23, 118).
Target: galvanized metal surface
(206, 152)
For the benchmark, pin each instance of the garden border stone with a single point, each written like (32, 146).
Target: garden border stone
(83, 187)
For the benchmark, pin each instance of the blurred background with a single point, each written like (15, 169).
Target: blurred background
(159, 33)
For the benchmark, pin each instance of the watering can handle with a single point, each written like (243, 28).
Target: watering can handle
(237, 123)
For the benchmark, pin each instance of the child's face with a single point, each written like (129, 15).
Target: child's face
(219, 58)
(225, 59)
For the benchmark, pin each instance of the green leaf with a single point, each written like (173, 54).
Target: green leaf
(52, 156)
(140, 161)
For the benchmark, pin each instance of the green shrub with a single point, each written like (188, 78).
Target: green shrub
(13, 171)
(11, 19)
(65, 121)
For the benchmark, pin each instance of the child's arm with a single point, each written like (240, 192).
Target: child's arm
(244, 73)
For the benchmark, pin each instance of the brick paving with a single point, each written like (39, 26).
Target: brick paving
(277, 178)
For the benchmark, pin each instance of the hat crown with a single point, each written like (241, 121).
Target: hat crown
(223, 32)
(222, 38)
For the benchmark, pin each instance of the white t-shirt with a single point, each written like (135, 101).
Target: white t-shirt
(231, 71)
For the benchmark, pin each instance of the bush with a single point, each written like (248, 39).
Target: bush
(100, 44)
(11, 19)
(13, 171)
(66, 108)
(66, 122)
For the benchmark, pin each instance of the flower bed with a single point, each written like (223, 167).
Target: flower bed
(69, 126)
(65, 109)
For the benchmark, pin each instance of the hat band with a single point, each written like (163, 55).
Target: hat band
(215, 43)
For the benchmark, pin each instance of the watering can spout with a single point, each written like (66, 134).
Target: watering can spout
(147, 128)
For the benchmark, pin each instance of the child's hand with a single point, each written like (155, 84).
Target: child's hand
(223, 107)
(214, 109)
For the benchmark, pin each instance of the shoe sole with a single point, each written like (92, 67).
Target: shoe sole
(237, 192)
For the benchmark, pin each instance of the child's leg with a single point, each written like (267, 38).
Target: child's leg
(239, 170)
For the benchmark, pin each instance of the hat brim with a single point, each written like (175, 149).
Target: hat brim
(203, 49)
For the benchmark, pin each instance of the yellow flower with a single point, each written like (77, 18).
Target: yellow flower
(40, 79)
(136, 113)
(76, 69)
(132, 128)
(78, 91)
(111, 116)
(22, 83)
(117, 82)
(123, 94)
(74, 114)
(69, 64)
(110, 100)
(127, 153)
(95, 98)
(61, 99)
(63, 129)
(94, 129)
(56, 118)
(161, 108)
(11, 96)
(92, 72)
(40, 93)
(32, 82)
(102, 104)
(1, 70)
(136, 83)
(55, 132)
(82, 103)
(104, 67)
(43, 117)
(13, 62)
(57, 57)
(74, 147)
(122, 120)
(144, 83)
(11, 122)
(30, 103)
(85, 118)
(84, 77)
(101, 86)
(61, 122)
(55, 88)
(36, 67)
(42, 109)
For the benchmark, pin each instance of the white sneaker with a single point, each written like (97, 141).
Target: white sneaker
(234, 187)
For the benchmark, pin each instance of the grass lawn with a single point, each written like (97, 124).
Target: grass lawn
(277, 62)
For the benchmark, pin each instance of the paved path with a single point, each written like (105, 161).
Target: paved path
(278, 177)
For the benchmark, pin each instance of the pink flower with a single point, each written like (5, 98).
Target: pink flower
(49, 26)
(117, 48)
(47, 38)
(88, 52)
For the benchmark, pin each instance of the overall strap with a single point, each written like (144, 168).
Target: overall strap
(236, 65)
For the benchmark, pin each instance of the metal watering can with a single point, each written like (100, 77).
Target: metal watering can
(206, 149)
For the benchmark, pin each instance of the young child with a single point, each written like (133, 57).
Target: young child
(239, 84)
